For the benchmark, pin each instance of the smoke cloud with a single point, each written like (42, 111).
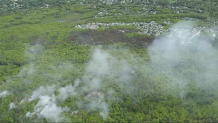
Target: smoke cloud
(186, 56)
(42, 91)
(182, 58)
(12, 105)
(172, 56)
(3, 94)
(88, 88)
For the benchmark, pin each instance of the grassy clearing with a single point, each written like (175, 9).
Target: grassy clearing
(69, 17)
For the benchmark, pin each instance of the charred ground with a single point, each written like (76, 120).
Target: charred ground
(107, 37)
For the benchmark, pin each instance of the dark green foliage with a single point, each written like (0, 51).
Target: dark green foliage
(35, 36)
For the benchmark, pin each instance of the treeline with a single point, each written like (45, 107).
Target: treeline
(148, 18)
(25, 41)
(10, 5)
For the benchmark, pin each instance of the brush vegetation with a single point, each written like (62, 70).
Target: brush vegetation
(44, 58)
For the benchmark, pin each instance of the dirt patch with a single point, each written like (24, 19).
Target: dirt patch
(34, 40)
(107, 37)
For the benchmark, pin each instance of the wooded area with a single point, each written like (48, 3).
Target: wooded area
(40, 47)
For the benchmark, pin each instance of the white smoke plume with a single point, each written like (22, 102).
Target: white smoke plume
(103, 65)
(42, 91)
(68, 91)
(48, 109)
(185, 47)
(4, 93)
(12, 105)
(100, 66)
(171, 56)
(47, 106)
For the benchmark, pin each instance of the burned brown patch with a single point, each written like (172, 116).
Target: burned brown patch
(107, 37)
(34, 40)
(11, 37)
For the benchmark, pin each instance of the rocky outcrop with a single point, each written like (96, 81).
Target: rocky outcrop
(151, 28)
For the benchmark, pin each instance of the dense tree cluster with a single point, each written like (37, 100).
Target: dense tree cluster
(35, 37)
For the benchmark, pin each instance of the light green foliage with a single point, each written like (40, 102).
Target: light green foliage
(35, 51)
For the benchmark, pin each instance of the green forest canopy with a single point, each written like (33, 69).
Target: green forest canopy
(38, 51)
